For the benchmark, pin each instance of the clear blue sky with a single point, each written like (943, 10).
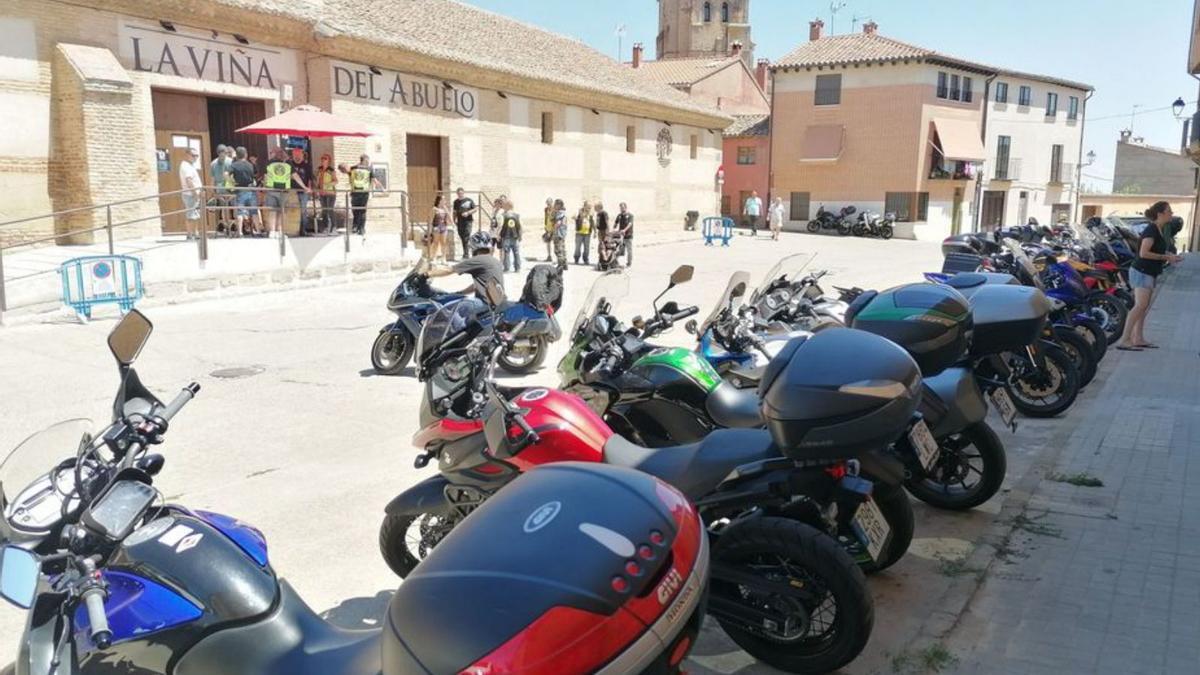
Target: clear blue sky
(1132, 52)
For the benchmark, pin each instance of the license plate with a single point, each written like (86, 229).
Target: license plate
(871, 527)
(1004, 405)
(922, 442)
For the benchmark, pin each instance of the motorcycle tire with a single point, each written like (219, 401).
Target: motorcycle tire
(391, 352)
(813, 227)
(1064, 377)
(523, 367)
(1091, 331)
(886, 232)
(1124, 296)
(756, 545)
(954, 466)
(1080, 352)
(394, 539)
(859, 230)
(843, 228)
(1113, 314)
(897, 510)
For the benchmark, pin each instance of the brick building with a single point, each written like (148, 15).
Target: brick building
(100, 103)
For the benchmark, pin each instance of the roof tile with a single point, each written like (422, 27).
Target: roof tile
(684, 71)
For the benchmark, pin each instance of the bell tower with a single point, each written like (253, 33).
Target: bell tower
(699, 28)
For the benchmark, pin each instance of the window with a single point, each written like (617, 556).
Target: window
(1001, 92)
(1073, 108)
(1051, 104)
(707, 12)
(1056, 155)
(954, 91)
(942, 90)
(747, 155)
(800, 205)
(1003, 143)
(724, 12)
(547, 127)
(1025, 96)
(922, 206)
(829, 90)
(966, 92)
(908, 206)
(695, 146)
(630, 139)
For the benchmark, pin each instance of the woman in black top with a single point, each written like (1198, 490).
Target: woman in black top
(1143, 276)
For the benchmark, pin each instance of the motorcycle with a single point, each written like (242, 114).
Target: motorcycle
(872, 225)
(828, 220)
(780, 546)
(788, 296)
(115, 580)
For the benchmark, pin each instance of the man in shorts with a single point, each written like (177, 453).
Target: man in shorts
(245, 198)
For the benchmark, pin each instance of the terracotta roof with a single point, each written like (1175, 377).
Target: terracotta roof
(872, 47)
(749, 125)
(684, 71)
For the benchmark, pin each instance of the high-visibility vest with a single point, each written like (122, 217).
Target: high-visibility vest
(327, 179)
(279, 175)
(360, 178)
(229, 177)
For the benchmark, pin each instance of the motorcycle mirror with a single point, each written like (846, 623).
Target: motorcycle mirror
(682, 275)
(738, 291)
(19, 571)
(129, 336)
(690, 326)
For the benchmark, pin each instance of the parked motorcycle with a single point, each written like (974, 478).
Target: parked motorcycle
(872, 225)
(787, 295)
(117, 581)
(828, 220)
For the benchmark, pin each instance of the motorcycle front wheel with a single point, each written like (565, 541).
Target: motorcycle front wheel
(969, 470)
(843, 228)
(1110, 313)
(859, 230)
(813, 227)
(886, 232)
(1049, 393)
(391, 352)
(1080, 352)
(1094, 335)
(823, 620)
(524, 359)
(406, 540)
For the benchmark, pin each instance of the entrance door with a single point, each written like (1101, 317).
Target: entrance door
(993, 209)
(424, 174)
(170, 148)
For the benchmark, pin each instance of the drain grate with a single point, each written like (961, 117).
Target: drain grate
(237, 373)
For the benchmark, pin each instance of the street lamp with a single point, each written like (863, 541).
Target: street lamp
(1091, 158)
(1178, 106)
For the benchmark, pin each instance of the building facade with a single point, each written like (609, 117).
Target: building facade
(747, 165)
(867, 121)
(703, 28)
(1145, 169)
(101, 104)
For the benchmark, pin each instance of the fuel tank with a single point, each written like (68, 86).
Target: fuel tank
(568, 430)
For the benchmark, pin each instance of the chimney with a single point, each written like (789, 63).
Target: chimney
(814, 29)
(760, 73)
(735, 49)
(870, 28)
(1125, 134)
(637, 54)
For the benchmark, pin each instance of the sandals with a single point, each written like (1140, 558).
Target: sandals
(1129, 348)
(1147, 345)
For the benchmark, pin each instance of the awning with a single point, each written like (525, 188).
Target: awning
(959, 140)
(822, 143)
(308, 121)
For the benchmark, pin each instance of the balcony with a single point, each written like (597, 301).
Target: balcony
(1063, 174)
(1008, 170)
(947, 170)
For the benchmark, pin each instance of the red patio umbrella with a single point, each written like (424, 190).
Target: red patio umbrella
(307, 120)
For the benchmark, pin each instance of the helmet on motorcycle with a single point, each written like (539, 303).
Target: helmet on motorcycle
(480, 242)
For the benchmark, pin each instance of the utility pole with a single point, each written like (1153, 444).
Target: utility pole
(620, 33)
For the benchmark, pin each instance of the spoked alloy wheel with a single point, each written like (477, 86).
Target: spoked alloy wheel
(524, 358)
(1048, 392)
(1110, 313)
(819, 623)
(391, 352)
(406, 540)
(1094, 335)
(969, 470)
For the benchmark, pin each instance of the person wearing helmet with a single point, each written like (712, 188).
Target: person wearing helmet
(483, 267)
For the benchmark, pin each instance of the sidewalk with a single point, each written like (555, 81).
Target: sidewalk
(1102, 579)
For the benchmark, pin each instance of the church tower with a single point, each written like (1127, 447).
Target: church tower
(699, 28)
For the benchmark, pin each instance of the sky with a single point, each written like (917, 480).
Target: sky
(1132, 51)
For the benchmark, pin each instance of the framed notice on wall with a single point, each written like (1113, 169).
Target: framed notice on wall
(162, 159)
(379, 171)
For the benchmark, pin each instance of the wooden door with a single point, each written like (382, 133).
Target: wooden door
(170, 148)
(993, 209)
(424, 175)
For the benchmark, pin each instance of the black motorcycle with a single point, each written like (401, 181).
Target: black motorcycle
(873, 225)
(828, 220)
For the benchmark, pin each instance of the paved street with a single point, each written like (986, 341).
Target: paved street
(308, 445)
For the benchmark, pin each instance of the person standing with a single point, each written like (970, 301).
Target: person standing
(362, 179)
(510, 235)
(326, 184)
(278, 181)
(302, 178)
(777, 215)
(623, 224)
(439, 230)
(189, 182)
(548, 235)
(752, 210)
(218, 173)
(584, 222)
(241, 171)
(560, 234)
(1143, 276)
(464, 219)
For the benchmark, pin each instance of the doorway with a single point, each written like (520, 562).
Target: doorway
(993, 209)
(1060, 213)
(424, 174)
(1023, 208)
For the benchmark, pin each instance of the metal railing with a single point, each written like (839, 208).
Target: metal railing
(1009, 170)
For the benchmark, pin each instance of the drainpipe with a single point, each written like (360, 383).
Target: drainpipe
(1079, 162)
(771, 146)
(987, 100)
(1194, 239)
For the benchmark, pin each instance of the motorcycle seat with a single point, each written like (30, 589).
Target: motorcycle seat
(734, 408)
(698, 468)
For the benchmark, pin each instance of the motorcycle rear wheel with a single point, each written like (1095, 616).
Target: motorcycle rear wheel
(859, 230)
(813, 227)
(1094, 335)
(402, 548)
(955, 465)
(391, 352)
(1050, 398)
(897, 510)
(526, 362)
(886, 232)
(812, 639)
(1080, 352)
(843, 228)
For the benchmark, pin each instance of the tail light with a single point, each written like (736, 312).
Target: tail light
(563, 640)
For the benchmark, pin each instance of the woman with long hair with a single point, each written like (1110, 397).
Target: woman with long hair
(1143, 276)
(439, 228)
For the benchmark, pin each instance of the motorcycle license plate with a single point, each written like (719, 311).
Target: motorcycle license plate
(871, 527)
(1004, 405)
(923, 443)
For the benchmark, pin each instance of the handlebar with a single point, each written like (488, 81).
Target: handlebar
(183, 398)
(93, 596)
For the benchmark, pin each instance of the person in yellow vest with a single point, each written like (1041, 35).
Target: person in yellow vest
(327, 183)
(362, 179)
(279, 179)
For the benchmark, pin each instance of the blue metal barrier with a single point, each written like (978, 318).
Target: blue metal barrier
(716, 227)
(101, 279)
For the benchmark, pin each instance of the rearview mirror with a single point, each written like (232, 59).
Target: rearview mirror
(682, 275)
(129, 336)
(738, 291)
(19, 571)
(690, 326)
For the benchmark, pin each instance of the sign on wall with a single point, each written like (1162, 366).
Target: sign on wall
(357, 82)
(208, 55)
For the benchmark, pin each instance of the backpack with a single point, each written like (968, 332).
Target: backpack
(543, 286)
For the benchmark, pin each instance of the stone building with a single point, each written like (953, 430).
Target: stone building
(704, 28)
(100, 104)
(1145, 169)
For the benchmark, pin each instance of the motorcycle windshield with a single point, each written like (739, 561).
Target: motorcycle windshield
(32, 459)
(1093, 242)
(448, 323)
(609, 289)
(727, 299)
(1022, 258)
(788, 269)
